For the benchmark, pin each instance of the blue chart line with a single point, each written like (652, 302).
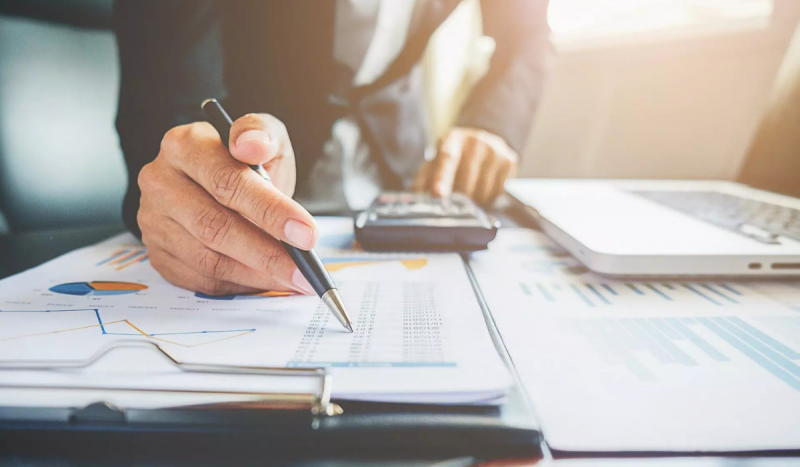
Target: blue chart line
(701, 294)
(635, 289)
(718, 293)
(125, 256)
(582, 295)
(751, 353)
(701, 344)
(594, 294)
(544, 292)
(610, 290)
(730, 289)
(670, 341)
(597, 294)
(662, 294)
(113, 257)
(136, 330)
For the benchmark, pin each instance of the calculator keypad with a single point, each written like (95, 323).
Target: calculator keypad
(421, 222)
(423, 206)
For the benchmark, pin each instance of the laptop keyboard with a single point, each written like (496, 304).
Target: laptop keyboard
(758, 220)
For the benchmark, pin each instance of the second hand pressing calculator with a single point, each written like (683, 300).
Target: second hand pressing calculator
(421, 222)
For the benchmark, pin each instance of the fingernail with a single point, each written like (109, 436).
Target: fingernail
(254, 135)
(298, 234)
(301, 283)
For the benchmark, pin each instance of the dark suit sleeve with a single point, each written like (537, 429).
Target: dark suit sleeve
(170, 60)
(505, 99)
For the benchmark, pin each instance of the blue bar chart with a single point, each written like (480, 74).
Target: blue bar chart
(593, 294)
(644, 344)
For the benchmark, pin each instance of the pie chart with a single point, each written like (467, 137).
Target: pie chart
(98, 288)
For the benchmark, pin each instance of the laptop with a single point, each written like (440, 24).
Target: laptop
(667, 228)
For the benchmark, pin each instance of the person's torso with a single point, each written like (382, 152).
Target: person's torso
(280, 58)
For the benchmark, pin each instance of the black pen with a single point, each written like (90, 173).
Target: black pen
(307, 261)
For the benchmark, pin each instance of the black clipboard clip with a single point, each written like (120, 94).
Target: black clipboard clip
(318, 403)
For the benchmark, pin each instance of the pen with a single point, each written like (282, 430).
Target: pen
(307, 261)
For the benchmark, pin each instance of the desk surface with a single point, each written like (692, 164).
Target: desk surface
(20, 252)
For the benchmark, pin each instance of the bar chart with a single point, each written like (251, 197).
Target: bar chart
(644, 344)
(599, 294)
(125, 257)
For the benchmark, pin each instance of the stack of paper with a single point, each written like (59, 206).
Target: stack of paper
(420, 335)
(630, 365)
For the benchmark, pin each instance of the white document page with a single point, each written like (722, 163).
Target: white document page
(627, 365)
(420, 335)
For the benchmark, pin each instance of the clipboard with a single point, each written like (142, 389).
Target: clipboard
(297, 422)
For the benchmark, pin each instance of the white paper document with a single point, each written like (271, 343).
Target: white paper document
(420, 335)
(627, 365)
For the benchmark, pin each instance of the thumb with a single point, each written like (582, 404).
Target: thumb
(256, 139)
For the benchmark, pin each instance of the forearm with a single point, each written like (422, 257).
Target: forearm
(505, 100)
(163, 80)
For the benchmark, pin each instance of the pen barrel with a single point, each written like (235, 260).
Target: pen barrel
(307, 261)
(311, 267)
(221, 121)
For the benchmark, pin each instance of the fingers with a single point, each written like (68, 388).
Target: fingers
(178, 273)
(445, 166)
(487, 181)
(471, 161)
(505, 171)
(257, 138)
(218, 229)
(212, 264)
(197, 152)
(423, 175)
(474, 153)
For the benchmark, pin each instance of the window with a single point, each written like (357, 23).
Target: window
(583, 19)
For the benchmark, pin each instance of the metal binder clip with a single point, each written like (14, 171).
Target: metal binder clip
(318, 403)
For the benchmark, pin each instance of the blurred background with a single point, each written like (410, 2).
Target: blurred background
(697, 89)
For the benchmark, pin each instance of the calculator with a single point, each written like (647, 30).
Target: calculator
(421, 222)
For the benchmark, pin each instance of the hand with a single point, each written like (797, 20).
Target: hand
(212, 224)
(470, 161)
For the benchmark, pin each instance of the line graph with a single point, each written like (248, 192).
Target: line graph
(137, 331)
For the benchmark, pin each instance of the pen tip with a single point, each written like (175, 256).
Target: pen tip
(349, 327)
